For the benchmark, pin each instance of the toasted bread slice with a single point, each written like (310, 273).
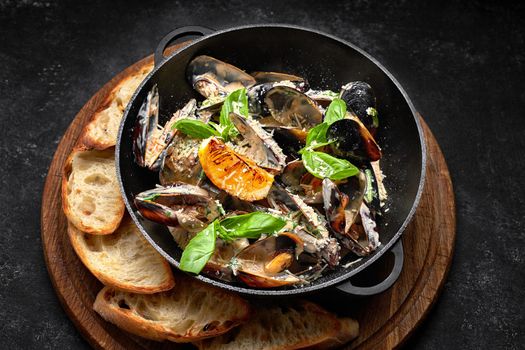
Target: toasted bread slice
(123, 259)
(101, 132)
(189, 312)
(349, 330)
(300, 324)
(90, 195)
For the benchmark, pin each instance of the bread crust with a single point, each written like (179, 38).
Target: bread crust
(332, 332)
(128, 320)
(88, 139)
(106, 277)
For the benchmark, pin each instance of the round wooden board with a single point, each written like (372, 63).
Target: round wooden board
(428, 244)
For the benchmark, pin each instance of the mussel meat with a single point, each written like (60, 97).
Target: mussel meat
(268, 262)
(292, 108)
(363, 237)
(342, 202)
(257, 144)
(180, 161)
(219, 265)
(150, 139)
(299, 181)
(312, 229)
(353, 140)
(186, 205)
(360, 98)
(211, 77)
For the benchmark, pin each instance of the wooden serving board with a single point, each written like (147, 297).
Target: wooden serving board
(386, 320)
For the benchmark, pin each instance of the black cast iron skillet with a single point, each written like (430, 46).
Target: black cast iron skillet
(328, 63)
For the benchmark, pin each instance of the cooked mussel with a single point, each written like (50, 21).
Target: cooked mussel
(353, 140)
(186, 205)
(291, 140)
(146, 125)
(292, 108)
(342, 202)
(312, 229)
(211, 77)
(150, 139)
(298, 180)
(257, 144)
(322, 97)
(294, 81)
(363, 237)
(219, 264)
(360, 98)
(181, 164)
(180, 161)
(267, 262)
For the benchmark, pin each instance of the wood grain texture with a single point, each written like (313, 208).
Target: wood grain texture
(386, 320)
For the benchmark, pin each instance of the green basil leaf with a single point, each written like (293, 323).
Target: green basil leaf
(315, 145)
(323, 165)
(236, 102)
(250, 225)
(317, 134)
(195, 128)
(199, 249)
(336, 111)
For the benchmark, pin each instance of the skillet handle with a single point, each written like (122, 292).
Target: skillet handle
(348, 287)
(178, 33)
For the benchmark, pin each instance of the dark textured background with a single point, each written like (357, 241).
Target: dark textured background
(462, 63)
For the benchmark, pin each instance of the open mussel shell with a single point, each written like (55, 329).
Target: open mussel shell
(186, 205)
(218, 266)
(363, 237)
(256, 94)
(291, 140)
(266, 263)
(212, 77)
(298, 180)
(297, 82)
(359, 97)
(150, 140)
(312, 229)
(180, 159)
(146, 125)
(257, 144)
(342, 202)
(322, 97)
(181, 163)
(292, 108)
(353, 140)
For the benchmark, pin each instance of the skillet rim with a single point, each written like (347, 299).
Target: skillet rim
(300, 289)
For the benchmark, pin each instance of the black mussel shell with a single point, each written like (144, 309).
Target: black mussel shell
(359, 96)
(353, 140)
(292, 108)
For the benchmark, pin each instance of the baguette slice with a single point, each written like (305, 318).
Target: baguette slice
(300, 324)
(101, 132)
(90, 195)
(189, 312)
(123, 259)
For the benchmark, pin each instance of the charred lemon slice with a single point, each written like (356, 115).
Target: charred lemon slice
(233, 173)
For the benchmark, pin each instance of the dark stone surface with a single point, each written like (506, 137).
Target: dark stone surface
(461, 62)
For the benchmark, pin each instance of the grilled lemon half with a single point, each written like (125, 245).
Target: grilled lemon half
(232, 172)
